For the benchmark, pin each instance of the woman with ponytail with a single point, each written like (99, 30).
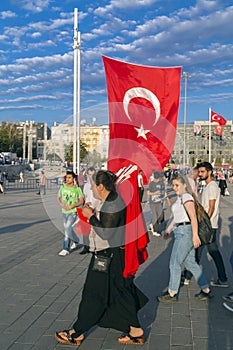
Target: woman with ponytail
(185, 227)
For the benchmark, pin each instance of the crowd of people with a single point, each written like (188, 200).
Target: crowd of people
(109, 299)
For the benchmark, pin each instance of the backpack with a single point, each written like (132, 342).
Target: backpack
(205, 231)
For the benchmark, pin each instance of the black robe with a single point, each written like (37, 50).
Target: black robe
(110, 300)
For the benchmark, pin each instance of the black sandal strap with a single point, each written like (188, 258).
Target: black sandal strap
(134, 339)
(69, 336)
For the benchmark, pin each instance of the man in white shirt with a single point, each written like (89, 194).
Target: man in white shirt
(140, 185)
(210, 201)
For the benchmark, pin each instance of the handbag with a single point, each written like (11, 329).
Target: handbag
(101, 263)
(226, 192)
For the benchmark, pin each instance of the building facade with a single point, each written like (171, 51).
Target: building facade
(95, 139)
(198, 146)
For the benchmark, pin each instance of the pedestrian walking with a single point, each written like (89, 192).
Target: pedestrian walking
(42, 184)
(185, 227)
(90, 201)
(156, 194)
(222, 183)
(69, 198)
(108, 300)
(140, 185)
(1, 183)
(21, 178)
(210, 200)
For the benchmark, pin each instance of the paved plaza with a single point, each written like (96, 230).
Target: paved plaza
(40, 291)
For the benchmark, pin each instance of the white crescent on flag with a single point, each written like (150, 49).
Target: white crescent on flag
(215, 117)
(144, 93)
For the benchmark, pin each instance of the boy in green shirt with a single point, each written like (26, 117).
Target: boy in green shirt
(69, 197)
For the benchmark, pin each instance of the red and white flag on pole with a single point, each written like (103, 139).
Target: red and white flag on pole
(143, 107)
(215, 117)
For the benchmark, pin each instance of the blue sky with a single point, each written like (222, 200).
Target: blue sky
(36, 54)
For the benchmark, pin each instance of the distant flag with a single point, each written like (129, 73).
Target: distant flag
(143, 108)
(214, 117)
(197, 129)
(218, 130)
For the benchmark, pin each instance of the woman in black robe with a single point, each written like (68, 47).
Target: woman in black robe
(108, 299)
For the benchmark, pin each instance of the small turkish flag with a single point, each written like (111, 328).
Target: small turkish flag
(215, 117)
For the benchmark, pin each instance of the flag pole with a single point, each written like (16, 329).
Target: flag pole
(76, 107)
(185, 76)
(210, 135)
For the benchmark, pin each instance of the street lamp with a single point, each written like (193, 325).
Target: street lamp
(186, 76)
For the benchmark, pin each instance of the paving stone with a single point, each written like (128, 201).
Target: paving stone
(41, 291)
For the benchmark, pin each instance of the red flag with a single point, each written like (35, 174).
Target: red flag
(218, 130)
(82, 227)
(214, 117)
(143, 107)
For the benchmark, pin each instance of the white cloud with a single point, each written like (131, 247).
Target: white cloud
(29, 98)
(43, 44)
(33, 5)
(126, 4)
(34, 35)
(7, 14)
(7, 108)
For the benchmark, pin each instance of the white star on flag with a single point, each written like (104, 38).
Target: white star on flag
(142, 132)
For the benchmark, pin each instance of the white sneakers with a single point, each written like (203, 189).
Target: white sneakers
(64, 252)
(150, 228)
(156, 234)
(73, 245)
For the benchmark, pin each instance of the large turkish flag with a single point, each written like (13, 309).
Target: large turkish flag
(143, 107)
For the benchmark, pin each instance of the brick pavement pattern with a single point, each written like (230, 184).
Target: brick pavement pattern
(40, 291)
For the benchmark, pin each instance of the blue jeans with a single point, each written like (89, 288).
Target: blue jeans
(183, 252)
(68, 221)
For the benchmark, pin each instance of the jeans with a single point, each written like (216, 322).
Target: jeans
(141, 192)
(216, 256)
(157, 215)
(42, 189)
(183, 252)
(68, 221)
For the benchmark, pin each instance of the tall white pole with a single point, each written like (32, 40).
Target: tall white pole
(76, 108)
(24, 140)
(209, 135)
(185, 76)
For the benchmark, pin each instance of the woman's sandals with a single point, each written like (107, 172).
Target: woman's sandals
(65, 337)
(126, 338)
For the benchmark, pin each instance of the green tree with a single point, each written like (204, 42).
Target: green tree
(69, 151)
(11, 138)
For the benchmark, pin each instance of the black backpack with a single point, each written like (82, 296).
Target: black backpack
(205, 231)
